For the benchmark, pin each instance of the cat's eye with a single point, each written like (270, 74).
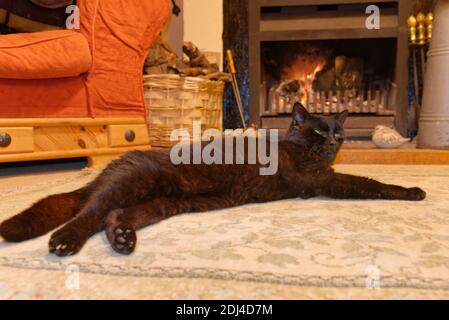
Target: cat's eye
(320, 132)
(339, 135)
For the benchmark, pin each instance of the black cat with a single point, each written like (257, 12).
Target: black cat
(143, 188)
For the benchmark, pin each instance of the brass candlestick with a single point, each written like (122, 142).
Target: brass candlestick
(412, 29)
(412, 23)
(421, 19)
(429, 22)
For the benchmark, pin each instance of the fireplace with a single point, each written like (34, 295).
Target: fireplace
(329, 76)
(320, 52)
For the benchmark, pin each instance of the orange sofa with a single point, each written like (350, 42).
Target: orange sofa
(87, 78)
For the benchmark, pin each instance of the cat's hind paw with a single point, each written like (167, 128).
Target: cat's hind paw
(13, 230)
(416, 194)
(122, 238)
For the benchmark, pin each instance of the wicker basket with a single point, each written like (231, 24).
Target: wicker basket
(174, 102)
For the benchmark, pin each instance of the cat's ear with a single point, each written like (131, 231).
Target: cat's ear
(299, 114)
(341, 117)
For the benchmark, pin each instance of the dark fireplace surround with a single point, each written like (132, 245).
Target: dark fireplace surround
(253, 26)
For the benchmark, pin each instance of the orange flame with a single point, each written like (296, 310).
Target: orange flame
(304, 68)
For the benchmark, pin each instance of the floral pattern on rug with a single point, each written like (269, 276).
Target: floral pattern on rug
(316, 242)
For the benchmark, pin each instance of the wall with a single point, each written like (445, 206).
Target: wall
(174, 30)
(203, 25)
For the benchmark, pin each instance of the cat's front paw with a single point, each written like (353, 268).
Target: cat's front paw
(122, 238)
(66, 242)
(416, 194)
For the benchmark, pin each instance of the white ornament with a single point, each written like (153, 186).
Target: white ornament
(387, 138)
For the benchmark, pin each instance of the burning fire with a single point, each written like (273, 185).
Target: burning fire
(304, 69)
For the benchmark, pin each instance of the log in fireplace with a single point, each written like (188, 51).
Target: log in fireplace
(321, 53)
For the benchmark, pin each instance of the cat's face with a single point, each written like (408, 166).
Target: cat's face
(323, 135)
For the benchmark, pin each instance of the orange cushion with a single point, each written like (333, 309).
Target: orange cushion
(44, 55)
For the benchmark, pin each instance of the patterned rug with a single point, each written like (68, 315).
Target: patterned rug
(311, 243)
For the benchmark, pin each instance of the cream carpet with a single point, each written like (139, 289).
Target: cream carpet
(316, 248)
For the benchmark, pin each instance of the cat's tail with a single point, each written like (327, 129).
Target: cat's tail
(44, 216)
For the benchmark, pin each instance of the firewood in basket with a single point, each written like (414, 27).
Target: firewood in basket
(197, 58)
(194, 72)
(161, 69)
(161, 59)
(218, 76)
(160, 53)
(192, 51)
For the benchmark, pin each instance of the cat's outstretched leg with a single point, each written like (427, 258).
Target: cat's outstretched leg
(122, 224)
(135, 178)
(44, 216)
(343, 186)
